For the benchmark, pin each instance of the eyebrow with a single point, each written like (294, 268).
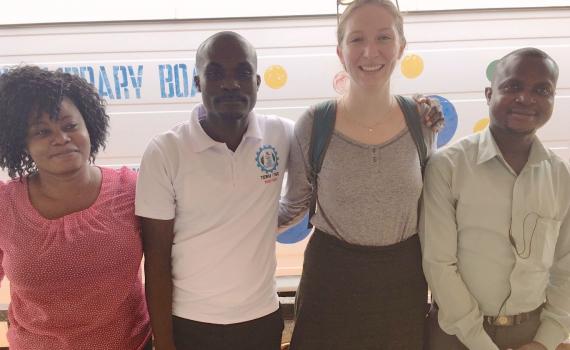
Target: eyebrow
(379, 29)
(245, 64)
(211, 65)
(516, 80)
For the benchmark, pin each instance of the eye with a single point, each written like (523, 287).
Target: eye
(245, 74)
(511, 87)
(384, 37)
(40, 132)
(356, 39)
(214, 74)
(70, 126)
(544, 91)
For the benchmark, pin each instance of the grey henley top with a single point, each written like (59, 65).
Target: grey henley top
(367, 194)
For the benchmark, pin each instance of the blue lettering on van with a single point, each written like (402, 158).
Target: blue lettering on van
(181, 72)
(136, 80)
(105, 89)
(88, 74)
(165, 77)
(118, 86)
(194, 88)
(71, 70)
(121, 81)
(174, 81)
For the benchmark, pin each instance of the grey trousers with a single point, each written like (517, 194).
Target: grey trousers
(504, 337)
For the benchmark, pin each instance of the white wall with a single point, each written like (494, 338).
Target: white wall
(58, 11)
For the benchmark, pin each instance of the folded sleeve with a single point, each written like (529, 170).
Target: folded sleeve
(155, 195)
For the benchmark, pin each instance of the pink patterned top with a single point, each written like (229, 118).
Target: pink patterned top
(75, 281)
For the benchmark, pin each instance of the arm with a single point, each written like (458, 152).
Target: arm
(157, 237)
(555, 318)
(155, 204)
(294, 204)
(459, 313)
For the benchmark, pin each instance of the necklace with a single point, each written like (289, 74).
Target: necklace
(356, 122)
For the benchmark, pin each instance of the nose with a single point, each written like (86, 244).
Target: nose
(370, 50)
(60, 138)
(230, 83)
(524, 97)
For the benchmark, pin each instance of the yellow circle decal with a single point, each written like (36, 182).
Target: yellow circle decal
(481, 124)
(412, 66)
(275, 76)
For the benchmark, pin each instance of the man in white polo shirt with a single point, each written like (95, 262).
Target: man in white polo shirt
(207, 194)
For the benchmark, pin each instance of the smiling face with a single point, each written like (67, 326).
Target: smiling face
(227, 78)
(371, 46)
(59, 145)
(521, 98)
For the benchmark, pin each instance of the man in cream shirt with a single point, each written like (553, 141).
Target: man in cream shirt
(496, 223)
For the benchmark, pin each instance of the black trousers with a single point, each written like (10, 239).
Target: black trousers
(260, 334)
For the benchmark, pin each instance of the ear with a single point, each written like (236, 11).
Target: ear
(402, 49)
(197, 83)
(258, 81)
(488, 94)
(339, 54)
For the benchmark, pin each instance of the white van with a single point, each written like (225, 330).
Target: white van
(144, 70)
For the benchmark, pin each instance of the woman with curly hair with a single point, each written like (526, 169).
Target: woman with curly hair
(69, 239)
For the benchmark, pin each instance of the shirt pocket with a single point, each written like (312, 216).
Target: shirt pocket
(543, 241)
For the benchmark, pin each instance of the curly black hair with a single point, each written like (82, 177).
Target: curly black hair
(26, 92)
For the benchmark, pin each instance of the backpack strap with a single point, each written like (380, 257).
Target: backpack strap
(414, 123)
(321, 133)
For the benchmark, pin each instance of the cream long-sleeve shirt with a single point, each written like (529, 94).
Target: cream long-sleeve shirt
(474, 206)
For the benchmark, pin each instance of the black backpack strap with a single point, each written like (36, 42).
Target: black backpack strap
(414, 123)
(321, 133)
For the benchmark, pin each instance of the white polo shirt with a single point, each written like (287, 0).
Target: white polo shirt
(225, 208)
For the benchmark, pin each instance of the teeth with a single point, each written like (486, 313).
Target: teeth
(372, 68)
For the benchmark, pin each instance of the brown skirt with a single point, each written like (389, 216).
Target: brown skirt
(360, 298)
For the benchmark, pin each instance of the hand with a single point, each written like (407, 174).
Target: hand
(430, 110)
(531, 346)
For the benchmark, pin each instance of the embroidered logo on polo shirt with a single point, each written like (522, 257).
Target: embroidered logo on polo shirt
(267, 161)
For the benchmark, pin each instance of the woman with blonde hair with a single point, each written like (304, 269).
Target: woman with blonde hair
(362, 285)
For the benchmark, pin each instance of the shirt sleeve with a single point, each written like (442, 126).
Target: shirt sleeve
(1, 267)
(459, 312)
(155, 196)
(555, 318)
(3, 198)
(294, 204)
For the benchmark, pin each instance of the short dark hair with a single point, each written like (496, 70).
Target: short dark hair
(28, 91)
(205, 45)
(530, 52)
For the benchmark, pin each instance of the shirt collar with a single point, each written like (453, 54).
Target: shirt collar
(201, 141)
(488, 150)
(253, 129)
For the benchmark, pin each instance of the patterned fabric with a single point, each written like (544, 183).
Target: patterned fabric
(75, 281)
